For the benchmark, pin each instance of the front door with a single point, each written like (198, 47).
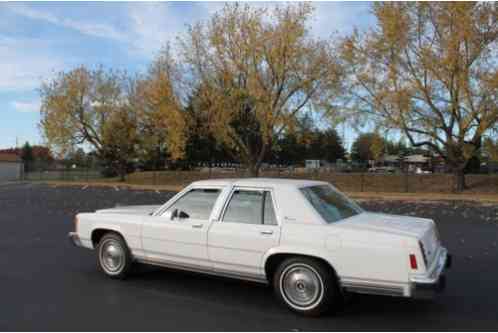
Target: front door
(247, 229)
(179, 235)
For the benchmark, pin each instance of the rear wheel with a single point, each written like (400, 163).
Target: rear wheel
(113, 256)
(307, 286)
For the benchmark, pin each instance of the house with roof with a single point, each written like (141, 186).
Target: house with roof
(11, 167)
(408, 163)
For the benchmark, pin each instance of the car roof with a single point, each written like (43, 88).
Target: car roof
(259, 182)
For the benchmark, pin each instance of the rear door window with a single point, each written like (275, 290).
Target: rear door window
(250, 207)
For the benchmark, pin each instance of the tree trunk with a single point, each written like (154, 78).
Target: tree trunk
(122, 175)
(121, 168)
(459, 182)
(254, 161)
(252, 169)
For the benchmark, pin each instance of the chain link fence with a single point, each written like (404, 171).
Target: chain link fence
(351, 182)
(345, 181)
(80, 174)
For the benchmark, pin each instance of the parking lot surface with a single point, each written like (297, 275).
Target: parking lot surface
(46, 284)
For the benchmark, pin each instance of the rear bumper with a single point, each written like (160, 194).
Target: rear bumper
(74, 239)
(433, 283)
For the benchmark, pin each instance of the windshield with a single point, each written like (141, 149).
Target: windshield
(329, 203)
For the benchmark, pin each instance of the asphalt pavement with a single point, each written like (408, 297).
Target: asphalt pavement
(46, 284)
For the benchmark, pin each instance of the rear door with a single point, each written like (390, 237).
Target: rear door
(246, 230)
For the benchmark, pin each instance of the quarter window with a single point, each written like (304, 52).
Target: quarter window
(197, 203)
(250, 207)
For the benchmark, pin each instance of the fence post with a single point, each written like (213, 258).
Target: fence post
(362, 181)
(406, 182)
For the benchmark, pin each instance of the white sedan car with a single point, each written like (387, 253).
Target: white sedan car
(305, 238)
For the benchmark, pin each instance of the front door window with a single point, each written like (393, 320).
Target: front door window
(195, 204)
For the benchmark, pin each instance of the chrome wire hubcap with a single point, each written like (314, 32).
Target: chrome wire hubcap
(112, 256)
(301, 286)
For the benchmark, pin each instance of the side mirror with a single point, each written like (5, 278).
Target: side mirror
(170, 215)
(183, 215)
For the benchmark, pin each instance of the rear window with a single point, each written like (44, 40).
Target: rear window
(330, 204)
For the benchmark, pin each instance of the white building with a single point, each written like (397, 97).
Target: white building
(11, 167)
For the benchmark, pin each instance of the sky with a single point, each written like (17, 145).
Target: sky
(40, 39)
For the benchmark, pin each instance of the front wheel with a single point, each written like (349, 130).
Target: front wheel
(307, 286)
(113, 256)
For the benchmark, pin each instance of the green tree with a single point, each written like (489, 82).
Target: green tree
(325, 145)
(77, 157)
(361, 150)
(27, 157)
(397, 148)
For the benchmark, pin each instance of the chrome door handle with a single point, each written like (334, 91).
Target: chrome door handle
(267, 232)
(199, 225)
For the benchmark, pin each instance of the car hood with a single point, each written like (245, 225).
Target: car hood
(395, 224)
(130, 210)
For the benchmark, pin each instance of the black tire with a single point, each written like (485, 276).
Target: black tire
(113, 256)
(307, 286)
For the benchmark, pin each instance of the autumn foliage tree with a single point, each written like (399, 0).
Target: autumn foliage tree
(114, 114)
(429, 69)
(368, 147)
(490, 149)
(76, 105)
(155, 97)
(80, 107)
(258, 69)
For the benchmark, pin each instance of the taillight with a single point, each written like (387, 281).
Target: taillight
(413, 261)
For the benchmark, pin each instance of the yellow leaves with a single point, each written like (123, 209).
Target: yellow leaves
(108, 110)
(490, 148)
(394, 23)
(429, 69)
(258, 61)
(158, 107)
(377, 147)
(348, 51)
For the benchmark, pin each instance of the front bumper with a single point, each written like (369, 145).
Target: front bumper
(74, 239)
(427, 286)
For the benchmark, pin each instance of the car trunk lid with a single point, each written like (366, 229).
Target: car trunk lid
(420, 228)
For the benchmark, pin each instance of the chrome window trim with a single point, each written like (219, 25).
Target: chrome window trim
(254, 189)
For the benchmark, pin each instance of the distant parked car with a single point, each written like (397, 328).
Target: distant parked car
(382, 169)
(420, 171)
(305, 238)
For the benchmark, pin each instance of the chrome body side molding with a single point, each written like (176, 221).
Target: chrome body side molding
(204, 270)
(374, 289)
